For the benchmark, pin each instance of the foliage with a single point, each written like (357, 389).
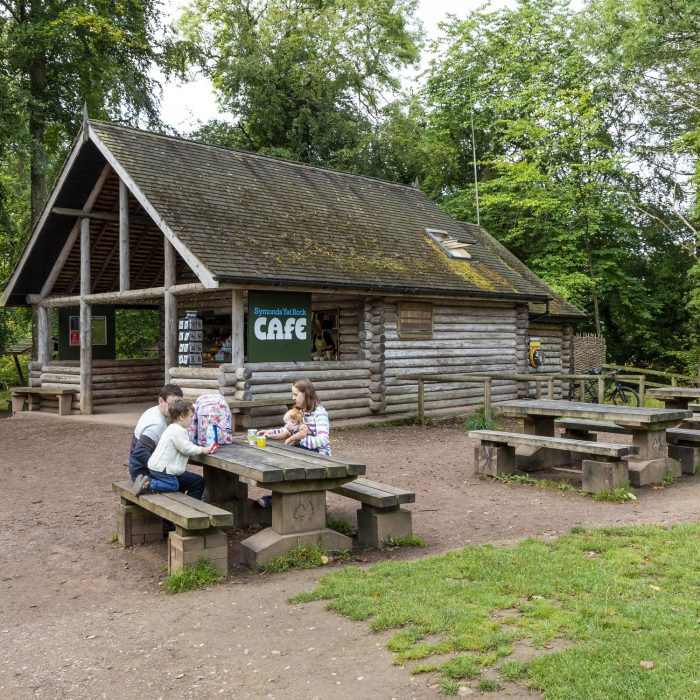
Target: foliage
(619, 495)
(555, 141)
(478, 421)
(202, 575)
(602, 590)
(136, 333)
(341, 525)
(301, 557)
(405, 541)
(527, 480)
(302, 79)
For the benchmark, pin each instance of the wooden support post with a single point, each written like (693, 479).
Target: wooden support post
(538, 389)
(124, 275)
(582, 391)
(487, 399)
(170, 306)
(642, 389)
(85, 321)
(601, 389)
(550, 388)
(237, 326)
(421, 401)
(674, 381)
(44, 336)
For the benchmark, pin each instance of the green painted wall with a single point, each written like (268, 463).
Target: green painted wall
(103, 327)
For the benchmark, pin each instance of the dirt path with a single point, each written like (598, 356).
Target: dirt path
(83, 618)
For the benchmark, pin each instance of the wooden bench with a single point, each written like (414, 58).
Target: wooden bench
(684, 445)
(496, 455)
(34, 394)
(197, 535)
(381, 518)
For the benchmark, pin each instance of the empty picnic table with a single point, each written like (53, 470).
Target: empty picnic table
(298, 480)
(675, 396)
(647, 426)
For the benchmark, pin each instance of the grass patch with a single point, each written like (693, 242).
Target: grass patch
(478, 421)
(527, 480)
(202, 575)
(621, 595)
(618, 495)
(487, 686)
(341, 525)
(114, 538)
(406, 541)
(668, 480)
(302, 557)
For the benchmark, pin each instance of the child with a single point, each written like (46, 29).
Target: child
(166, 466)
(294, 428)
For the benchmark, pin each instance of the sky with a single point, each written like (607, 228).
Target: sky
(186, 105)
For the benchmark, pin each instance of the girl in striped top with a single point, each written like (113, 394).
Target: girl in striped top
(315, 419)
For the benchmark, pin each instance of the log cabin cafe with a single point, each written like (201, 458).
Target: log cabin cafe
(253, 272)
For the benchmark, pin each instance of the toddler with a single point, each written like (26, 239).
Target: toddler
(294, 429)
(166, 466)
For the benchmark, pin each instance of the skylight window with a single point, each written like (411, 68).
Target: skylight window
(453, 247)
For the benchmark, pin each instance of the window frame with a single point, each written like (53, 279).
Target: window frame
(414, 334)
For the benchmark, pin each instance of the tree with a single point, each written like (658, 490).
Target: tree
(552, 130)
(57, 55)
(304, 79)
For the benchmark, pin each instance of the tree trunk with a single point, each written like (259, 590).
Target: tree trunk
(37, 126)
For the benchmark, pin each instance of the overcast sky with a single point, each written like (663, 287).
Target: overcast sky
(186, 105)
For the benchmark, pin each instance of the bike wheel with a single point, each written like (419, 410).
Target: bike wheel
(622, 396)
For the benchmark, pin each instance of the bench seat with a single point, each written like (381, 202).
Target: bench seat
(684, 445)
(496, 455)
(197, 535)
(34, 394)
(381, 518)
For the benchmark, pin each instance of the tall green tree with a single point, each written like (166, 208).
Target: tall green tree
(57, 55)
(551, 130)
(305, 79)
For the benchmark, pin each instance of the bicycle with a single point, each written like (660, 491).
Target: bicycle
(614, 391)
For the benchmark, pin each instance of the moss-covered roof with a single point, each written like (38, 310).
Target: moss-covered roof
(247, 217)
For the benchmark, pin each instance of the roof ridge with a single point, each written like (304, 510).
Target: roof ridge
(253, 154)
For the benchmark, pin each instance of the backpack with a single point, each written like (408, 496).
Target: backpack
(211, 422)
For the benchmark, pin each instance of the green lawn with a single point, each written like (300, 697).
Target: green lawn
(624, 596)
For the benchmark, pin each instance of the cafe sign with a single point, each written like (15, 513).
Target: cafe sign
(279, 327)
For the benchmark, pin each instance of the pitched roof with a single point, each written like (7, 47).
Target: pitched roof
(251, 218)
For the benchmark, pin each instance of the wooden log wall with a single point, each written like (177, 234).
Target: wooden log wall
(552, 340)
(469, 338)
(372, 347)
(343, 387)
(232, 382)
(113, 381)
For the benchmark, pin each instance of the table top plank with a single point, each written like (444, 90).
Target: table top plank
(622, 415)
(675, 392)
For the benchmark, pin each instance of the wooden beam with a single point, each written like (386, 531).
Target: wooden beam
(237, 326)
(133, 295)
(75, 232)
(170, 330)
(85, 321)
(123, 236)
(111, 216)
(44, 336)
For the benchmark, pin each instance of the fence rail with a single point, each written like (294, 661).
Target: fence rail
(538, 379)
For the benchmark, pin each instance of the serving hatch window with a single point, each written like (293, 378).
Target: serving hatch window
(415, 320)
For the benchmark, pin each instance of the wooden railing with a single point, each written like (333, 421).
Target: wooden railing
(672, 376)
(538, 379)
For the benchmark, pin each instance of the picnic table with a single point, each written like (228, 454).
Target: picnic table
(298, 480)
(675, 396)
(647, 425)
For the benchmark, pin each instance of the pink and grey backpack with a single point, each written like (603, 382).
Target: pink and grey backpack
(211, 422)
